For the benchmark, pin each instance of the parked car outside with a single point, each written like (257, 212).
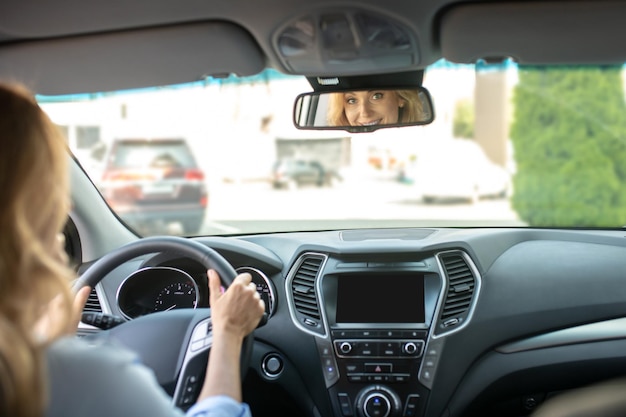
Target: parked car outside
(155, 183)
(295, 173)
(454, 170)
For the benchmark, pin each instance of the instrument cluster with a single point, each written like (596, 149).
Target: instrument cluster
(161, 288)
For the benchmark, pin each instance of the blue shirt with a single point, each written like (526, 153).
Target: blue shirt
(219, 406)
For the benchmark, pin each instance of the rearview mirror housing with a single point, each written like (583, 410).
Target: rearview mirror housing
(363, 110)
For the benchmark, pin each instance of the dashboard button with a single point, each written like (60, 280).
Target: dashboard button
(410, 409)
(272, 365)
(345, 404)
(345, 348)
(366, 349)
(378, 368)
(389, 349)
(377, 405)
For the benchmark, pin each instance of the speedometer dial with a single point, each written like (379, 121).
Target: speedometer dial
(263, 286)
(156, 288)
(176, 295)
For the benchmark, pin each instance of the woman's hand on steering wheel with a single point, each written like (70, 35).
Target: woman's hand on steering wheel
(237, 310)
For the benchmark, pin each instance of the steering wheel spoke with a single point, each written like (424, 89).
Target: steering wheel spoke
(193, 366)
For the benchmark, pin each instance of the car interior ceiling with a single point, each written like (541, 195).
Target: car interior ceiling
(464, 34)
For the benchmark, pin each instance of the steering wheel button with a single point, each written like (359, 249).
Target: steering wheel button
(200, 331)
(198, 345)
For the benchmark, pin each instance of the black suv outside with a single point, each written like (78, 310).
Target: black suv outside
(155, 184)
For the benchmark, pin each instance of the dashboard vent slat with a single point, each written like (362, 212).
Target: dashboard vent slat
(303, 288)
(461, 285)
(93, 303)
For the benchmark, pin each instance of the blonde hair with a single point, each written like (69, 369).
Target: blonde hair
(34, 183)
(413, 109)
(410, 113)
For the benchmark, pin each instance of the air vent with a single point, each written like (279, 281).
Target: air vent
(461, 287)
(93, 303)
(303, 288)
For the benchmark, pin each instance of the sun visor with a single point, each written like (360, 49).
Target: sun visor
(132, 59)
(579, 32)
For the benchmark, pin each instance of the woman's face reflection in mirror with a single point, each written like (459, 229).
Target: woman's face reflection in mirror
(371, 108)
(374, 107)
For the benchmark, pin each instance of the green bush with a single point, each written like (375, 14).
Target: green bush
(463, 119)
(569, 141)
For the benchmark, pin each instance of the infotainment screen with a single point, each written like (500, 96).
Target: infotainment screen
(384, 298)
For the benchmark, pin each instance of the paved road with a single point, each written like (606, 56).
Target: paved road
(231, 206)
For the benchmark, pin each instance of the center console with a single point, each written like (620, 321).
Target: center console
(378, 324)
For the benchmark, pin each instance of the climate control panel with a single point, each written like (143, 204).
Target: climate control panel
(372, 348)
(374, 373)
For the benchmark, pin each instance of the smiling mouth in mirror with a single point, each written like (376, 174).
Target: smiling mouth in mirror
(363, 110)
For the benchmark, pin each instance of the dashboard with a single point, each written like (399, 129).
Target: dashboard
(409, 322)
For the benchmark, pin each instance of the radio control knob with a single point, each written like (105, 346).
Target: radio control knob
(376, 405)
(378, 401)
(345, 347)
(410, 348)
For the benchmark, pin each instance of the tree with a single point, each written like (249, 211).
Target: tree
(567, 123)
(463, 123)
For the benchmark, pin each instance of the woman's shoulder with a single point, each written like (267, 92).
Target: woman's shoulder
(81, 351)
(80, 370)
(102, 362)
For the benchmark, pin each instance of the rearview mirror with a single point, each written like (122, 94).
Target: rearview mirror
(363, 110)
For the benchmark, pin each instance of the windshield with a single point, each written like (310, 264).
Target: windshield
(509, 147)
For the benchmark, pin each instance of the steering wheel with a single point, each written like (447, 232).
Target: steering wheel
(174, 343)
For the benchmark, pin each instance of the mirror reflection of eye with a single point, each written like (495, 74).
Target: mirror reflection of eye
(351, 100)
(377, 96)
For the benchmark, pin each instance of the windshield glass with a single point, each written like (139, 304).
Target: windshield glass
(509, 147)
